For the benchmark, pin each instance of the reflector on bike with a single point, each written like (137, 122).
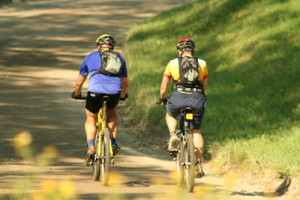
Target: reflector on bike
(189, 116)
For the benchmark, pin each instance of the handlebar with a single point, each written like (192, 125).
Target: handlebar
(123, 99)
(80, 98)
(161, 101)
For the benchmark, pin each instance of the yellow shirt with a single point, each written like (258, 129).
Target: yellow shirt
(172, 70)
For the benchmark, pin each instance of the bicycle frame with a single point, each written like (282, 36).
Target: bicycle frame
(101, 124)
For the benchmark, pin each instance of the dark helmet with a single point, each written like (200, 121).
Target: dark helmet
(186, 42)
(106, 41)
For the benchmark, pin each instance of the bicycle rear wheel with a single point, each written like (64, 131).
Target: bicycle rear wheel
(179, 165)
(96, 165)
(190, 163)
(105, 157)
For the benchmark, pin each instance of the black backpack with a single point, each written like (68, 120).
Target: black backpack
(110, 64)
(188, 72)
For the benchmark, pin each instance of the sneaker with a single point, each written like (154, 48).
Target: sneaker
(173, 154)
(114, 145)
(173, 143)
(115, 149)
(90, 155)
(199, 171)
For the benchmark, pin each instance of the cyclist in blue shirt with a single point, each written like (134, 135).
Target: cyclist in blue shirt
(100, 85)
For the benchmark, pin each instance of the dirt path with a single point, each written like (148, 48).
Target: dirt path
(42, 47)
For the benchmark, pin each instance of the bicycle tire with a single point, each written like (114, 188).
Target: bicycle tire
(179, 165)
(105, 157)
(190, 161)
(96, 165)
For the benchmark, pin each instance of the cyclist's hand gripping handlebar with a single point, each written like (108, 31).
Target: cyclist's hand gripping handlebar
(162, 102)
(73, 96)
(123, 99)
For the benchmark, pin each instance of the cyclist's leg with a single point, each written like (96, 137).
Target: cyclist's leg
(174, 140)
(173, 107)
(90, 125)
(112, 119)
(198, 142)
(93, 104)
(198, 103)
(171, 123)
(90, 130)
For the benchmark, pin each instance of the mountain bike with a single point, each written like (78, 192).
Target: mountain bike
(104, 156)
(185, 155)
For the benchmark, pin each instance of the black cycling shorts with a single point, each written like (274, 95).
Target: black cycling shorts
(94, 101)
(180, 100)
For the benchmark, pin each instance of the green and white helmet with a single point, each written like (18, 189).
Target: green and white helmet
(106, 41)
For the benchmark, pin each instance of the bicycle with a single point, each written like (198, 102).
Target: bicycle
(104, 155)
(185, 155)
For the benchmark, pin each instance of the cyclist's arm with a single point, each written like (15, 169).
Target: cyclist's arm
(203, 70)
(79, 82)
(204, 82)
(124, 86)
(164, 87)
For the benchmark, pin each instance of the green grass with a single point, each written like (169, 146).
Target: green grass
(252, 49)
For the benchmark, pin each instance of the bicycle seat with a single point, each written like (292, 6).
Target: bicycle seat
(187, 109)
(105, 98)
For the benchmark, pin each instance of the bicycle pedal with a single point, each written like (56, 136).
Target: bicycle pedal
(89, 164)
(116, 150)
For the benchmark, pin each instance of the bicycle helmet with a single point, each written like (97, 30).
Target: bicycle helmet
(186, 42)
(106, 41)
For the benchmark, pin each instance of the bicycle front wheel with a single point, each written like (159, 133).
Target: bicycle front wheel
(190, 163)
(179, 165)
(105, 157)
(96, 165)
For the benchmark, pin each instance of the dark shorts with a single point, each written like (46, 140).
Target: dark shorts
(180, 100)
(94, 101)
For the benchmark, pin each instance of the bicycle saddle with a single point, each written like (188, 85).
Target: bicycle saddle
(105, 98)
(187, 109)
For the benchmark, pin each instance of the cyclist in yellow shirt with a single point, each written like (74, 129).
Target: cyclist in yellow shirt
(190, 77)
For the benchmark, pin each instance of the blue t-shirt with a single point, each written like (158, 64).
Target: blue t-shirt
(100, 83)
